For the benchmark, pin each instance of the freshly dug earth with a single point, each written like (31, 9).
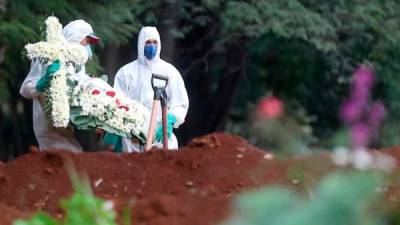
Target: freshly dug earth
(9, 214)
(194, 185)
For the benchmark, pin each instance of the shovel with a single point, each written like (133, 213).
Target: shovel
(160, 95)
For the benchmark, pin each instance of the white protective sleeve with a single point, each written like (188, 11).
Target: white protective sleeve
(119, 82)
(179, 101)
(28, 87)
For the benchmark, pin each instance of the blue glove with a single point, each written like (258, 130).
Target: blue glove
(114, 140)
(171, 120)
(44, 81)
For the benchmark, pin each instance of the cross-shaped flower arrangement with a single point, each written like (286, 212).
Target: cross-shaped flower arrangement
(87, 105)
(70, 55)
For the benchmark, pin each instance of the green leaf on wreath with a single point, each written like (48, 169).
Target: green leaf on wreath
(75, 111)
(81, 120)
(99, 123)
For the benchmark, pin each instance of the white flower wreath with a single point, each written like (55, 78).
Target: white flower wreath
(91, 104)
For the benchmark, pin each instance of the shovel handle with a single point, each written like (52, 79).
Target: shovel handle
(152, 126)
(165, 124)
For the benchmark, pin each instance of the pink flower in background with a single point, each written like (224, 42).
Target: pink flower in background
(363, 78)
(352, 110)
(377, 114)
(270, 108)
(360, 134)
(358, 112)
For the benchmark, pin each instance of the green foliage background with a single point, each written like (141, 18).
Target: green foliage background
(230, 54)
(339, 199)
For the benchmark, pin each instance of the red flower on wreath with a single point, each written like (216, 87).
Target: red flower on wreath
(110, 93)
(124, 107)
(95, 92)
(118, 102)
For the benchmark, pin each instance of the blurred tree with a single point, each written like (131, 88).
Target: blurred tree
(233, 52)
(308, 60)
(230, 53)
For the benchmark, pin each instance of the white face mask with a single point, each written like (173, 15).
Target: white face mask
(89, 51)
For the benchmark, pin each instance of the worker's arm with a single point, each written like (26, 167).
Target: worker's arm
(119, 81)
(179, 101)
(35, 83)
(28, 88)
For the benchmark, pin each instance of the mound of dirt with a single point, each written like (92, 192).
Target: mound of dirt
(166, 186)
(9, 214)
(194, 185)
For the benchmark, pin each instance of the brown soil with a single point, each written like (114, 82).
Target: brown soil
(192, 186)
(9, 214)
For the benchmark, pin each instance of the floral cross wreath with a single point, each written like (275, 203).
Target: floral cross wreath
(87, 105)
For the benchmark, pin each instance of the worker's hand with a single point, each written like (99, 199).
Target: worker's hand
(113, 141)
(44, 81)
(135, 140)
(171, 120)
(99, 131)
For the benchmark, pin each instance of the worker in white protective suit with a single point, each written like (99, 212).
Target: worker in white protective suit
(38, 80)
(134, 79)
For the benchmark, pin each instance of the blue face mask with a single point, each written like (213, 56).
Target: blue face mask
(89, 51)
(150, 51)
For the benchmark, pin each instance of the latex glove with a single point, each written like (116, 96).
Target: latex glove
(114, 140)
(171, 120)
(44, 81)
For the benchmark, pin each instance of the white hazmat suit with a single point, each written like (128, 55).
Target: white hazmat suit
(134, 79)
(46, 135)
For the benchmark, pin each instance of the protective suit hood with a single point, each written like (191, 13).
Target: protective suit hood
(76, 31)
(145, 34)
